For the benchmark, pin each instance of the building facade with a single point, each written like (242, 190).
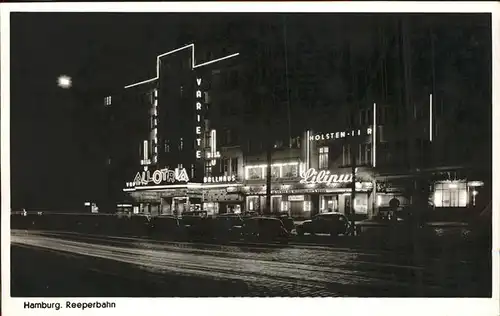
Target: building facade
(175, 160)
(198, 132)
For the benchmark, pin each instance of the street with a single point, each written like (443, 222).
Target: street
(74, 264)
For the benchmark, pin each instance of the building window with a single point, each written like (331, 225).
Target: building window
(450, 194)
(323, 158)
(234, 166)
(107, 101)
(254, 173)
(361, 204)
(346, 155)
(275, 172)
(225, 166)
(365, 154)
(208, 169)
(290, 171)
(253, 203)
(166, 146)
(307, 206)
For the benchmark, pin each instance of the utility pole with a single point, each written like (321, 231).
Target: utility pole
(353, 144)
(415, 190)
(266, 107)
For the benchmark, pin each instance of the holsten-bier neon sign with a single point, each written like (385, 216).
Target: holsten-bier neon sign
(159, 176)
(337, 135)
(312, 176)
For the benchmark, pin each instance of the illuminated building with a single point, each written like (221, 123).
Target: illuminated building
(175, 154)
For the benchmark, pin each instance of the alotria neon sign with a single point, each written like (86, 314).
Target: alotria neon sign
(159, 176)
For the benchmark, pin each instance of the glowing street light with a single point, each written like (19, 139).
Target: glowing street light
(64, 82)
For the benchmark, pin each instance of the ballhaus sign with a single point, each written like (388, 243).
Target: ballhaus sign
(159, 176)
(312, 176)
(338, 135)
(219, 179)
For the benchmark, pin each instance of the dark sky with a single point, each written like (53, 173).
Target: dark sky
(55, 158)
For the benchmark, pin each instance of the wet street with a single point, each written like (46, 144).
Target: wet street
(71, 264)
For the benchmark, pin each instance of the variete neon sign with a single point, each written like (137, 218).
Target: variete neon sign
(159, 176)
(337, 135)
(219, 179)
(312, 176)
(198, 118)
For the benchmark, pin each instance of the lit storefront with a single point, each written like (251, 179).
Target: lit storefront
(304, 193)
(169, 192)
(447, 190)
(456, 194)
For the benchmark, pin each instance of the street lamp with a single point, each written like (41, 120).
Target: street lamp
(64, 82)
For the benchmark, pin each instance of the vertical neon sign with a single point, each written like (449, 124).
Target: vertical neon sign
(374, 133)
(198, 118)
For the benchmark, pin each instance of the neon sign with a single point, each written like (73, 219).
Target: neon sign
(219, 179)
(337, 135)
(312, 176)
(198, 118)
(159, 176)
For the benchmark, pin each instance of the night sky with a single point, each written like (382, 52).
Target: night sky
(57, 160)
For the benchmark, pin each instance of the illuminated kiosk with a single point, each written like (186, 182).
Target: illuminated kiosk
(177, 143)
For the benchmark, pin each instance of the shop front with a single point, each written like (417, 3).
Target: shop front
(302, 202)
(314, 192)
(223, 200)
(454, 192)
(165, 201)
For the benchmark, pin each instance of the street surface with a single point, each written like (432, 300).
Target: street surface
(72, 264)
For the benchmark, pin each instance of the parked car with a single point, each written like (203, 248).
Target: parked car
(135, 225)
(197, 225)
(265, 229)
(165, 226)
(227, 227)
(332, 223)
(287, 221)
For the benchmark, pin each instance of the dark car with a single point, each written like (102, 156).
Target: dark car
(135, 225)
(265, 229)
(227, 227)
(287, 221)
(168, 227)
(197, 225)
(332, 223)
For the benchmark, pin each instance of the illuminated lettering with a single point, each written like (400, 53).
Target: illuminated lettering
(337, 135)
(198, 81)
(157, 177)
(311, 176)
(219, 179)
(198, 141)
(198, 130)
(198, 154)
(198, 106)
(198, 93)
(181, 175)
(198, 118)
